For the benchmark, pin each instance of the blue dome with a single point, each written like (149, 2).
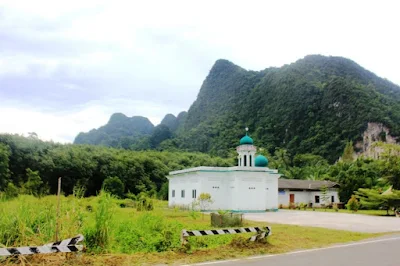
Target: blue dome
(246, 140)
(261, 161)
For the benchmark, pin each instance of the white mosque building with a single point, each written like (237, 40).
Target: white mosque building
(250, 186)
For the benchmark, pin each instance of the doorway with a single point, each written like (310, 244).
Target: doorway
(291, 198)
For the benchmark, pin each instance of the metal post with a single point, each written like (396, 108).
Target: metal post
(58, 209)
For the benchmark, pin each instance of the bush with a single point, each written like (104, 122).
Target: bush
(144, 203)
(303, 206)
(204, 201)
(226, 219)
(11, 191)
(114, 186)
(335, 207)
(353, 204)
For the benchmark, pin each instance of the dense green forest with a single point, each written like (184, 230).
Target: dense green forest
(315, 105)
(24, 161)
(31, 166)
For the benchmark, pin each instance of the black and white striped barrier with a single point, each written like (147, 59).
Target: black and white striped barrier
(67, 245)
(261, 232)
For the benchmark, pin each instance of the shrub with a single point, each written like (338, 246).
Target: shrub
(34, 185)
(114, 186)
(11, 191)
(353, 204)
(335, 207)
(144, 203)
(303, 205)
(204, 201)
(226, 219)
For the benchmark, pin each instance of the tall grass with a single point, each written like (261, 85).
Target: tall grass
(98, 235)
(107, 227)
(29, 220)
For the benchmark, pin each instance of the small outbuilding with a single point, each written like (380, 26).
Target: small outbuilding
(294, 191)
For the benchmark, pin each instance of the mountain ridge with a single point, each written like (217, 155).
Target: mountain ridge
(314, 105)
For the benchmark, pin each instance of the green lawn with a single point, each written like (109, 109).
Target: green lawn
(134, 237)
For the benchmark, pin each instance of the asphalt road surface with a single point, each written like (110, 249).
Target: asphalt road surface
(383, 251)
(332, 220)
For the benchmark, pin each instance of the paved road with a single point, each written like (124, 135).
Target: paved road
(341, 221)
(376, 252)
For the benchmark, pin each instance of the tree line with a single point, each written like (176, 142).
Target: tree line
(29, 165)
(32, 165)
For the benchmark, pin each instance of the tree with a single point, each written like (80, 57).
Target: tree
(4, 165)
(204, 201)
(34, 185)
(163, 193)
(353, 204)
(10, 191)
(348, 153)
(160, 134)
(373, 199)
(362, 173)
(390, 164)
(324, 195)
(114, 186)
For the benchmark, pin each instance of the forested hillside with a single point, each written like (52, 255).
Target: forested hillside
(120, 131)
(315, 105)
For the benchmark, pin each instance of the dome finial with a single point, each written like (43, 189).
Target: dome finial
(246, 139)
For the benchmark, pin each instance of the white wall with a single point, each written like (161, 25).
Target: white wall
(217, 184)
(188, 183)
(306, 197)
(238, 189)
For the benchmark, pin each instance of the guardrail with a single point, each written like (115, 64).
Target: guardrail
(67, 245)
(261, 232)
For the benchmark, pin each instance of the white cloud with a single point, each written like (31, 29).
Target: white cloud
(166, 48)
(63, 126)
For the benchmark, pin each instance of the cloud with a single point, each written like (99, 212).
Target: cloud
(63, 126)
(64, 62)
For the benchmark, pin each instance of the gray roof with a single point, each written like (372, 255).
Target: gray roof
(305, 184)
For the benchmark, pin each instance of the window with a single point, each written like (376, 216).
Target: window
(333, 199)
(250, 160)
(173, 193)
(194, 194)
(316, 199)
(182, 193)
(245, 161)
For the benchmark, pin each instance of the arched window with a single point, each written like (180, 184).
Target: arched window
(250, 163)
(245, 161)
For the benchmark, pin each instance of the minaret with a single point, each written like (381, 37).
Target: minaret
(246, 151)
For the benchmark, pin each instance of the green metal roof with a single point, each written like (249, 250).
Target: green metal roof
(261, 161)
(246, 140)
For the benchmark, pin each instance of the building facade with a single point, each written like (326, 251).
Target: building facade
(293, 191)
(250, 186)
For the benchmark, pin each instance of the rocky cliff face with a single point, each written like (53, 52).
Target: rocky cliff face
(375, 132)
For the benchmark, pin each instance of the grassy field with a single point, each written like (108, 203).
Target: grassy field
(124, 236)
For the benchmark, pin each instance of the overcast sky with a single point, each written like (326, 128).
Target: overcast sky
(66, 66)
